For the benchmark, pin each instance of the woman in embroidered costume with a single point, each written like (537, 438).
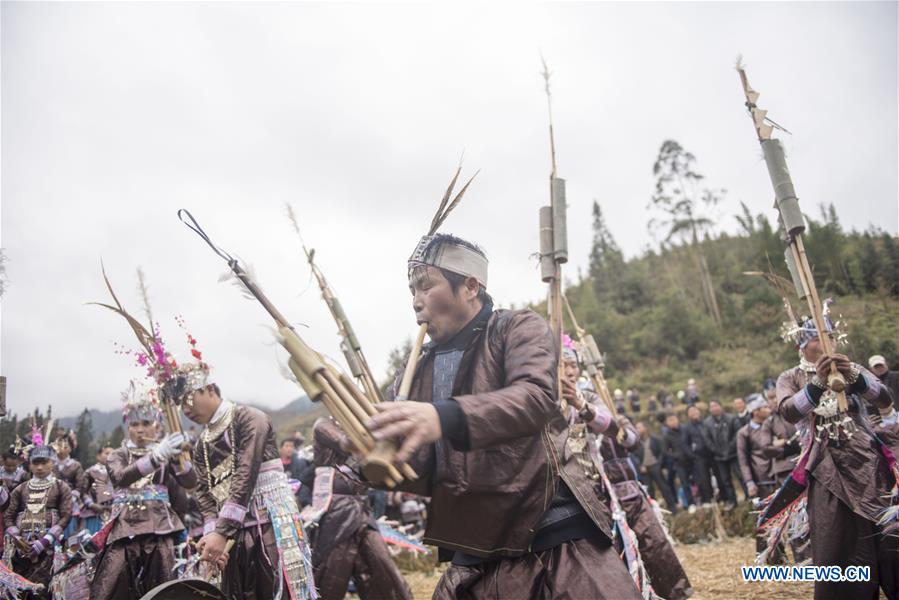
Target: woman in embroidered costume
(97, 493)
(243, 494)
(69, 470)
(39, 511)
(148, 478)
(846, 467)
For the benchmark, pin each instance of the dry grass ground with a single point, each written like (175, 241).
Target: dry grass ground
(714, 571)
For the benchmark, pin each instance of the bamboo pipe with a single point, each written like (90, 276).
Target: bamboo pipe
(384, 451)
(835, 380)
(406, 470)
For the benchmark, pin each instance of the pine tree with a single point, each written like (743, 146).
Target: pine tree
(116, 436)
(84, 434)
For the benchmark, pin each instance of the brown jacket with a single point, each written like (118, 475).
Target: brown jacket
(52, 518)
(855, 471)
(752, 445)
(239, 461)
(136, 478)
(783, 458)
(488, 500)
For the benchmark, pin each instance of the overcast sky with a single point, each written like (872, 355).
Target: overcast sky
(116, 115)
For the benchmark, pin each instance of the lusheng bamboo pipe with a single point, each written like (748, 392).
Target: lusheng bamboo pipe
(787, 204)
(382, 455)
(595, 373)
(310, 369)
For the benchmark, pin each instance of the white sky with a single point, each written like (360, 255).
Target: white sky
(116, 115)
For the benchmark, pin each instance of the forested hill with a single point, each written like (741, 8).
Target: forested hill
(657, 323)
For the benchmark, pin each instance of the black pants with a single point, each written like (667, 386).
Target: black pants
(653, 478)
(702, 477)
(724, 474)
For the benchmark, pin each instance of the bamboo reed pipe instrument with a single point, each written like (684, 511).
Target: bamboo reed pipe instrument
(322, 382)
(790, 215)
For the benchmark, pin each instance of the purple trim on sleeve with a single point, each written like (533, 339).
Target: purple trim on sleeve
(802, 402)
(209, 526)
(55, 531)
(601, 421)
(630, 438)
(145, 465)
(233, 511)
(49, 539)
(873, 386)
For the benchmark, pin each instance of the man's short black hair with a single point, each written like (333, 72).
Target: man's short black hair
(9, 454)
(287, 441)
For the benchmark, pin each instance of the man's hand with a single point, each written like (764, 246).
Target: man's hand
(844, 365)
(212, 549)
(822, 368)
(416, 422)
(779, 443)
(752, 489)
(569, 393)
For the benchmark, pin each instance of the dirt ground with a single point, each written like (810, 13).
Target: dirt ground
(713, 569)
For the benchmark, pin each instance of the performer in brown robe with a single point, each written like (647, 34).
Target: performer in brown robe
(69, 470)
(511, 508)
(848, 480)
(346, 541)
(666, 574)
(147, 478)
(243, 495)
(13, 473)
(97, 493)
(38, 512)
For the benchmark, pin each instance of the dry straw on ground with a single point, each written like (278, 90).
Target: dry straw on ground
(713, 569)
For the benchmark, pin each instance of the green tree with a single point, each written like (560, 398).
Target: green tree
(685, 204)
(84, 434)
(116, 436)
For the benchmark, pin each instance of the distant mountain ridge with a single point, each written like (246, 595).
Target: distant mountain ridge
(105, 421)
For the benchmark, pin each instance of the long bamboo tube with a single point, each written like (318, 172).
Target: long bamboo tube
(382, 455)
(835, 380)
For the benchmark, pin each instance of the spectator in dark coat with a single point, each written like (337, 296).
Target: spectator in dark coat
(675, 451)
(633, 398)
(721, 429)
(298, 468)
(648, 456)
(890, 379)
(741, 413)
(700, 453)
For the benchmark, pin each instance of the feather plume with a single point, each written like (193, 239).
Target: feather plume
(145, 297)
(249, 273)
(144, 337)
(446, 206)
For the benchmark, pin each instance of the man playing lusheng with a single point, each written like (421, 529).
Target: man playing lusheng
(346, 541)
(510, 506)
(590, 421)
(848, 479)
(243, 495)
